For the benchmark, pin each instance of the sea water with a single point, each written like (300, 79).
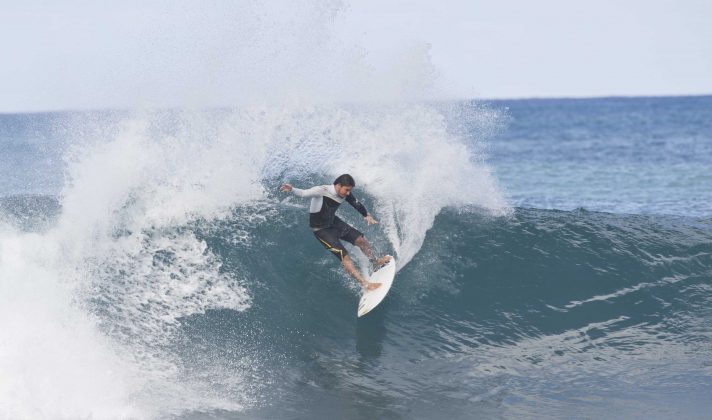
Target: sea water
(557, 259)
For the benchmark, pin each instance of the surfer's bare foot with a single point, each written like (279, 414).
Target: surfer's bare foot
(381, 262)
(372, 286)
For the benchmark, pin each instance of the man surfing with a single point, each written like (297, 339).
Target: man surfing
(329, 229)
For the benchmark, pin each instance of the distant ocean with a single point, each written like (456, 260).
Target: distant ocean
(555, 262)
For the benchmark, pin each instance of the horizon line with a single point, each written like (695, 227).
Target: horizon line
(473, 99)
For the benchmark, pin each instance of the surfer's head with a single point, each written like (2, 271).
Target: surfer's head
(344, 184)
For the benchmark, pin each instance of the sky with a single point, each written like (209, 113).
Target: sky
(69, 55)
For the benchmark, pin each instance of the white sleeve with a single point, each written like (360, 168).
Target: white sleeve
(311, 192)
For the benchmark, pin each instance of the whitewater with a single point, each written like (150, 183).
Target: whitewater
(124, 260)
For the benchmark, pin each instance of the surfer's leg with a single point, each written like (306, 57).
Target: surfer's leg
(351, 269)
(364, 246)
(356, 238)
(330, 238)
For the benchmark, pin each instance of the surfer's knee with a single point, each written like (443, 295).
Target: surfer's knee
(360, 241)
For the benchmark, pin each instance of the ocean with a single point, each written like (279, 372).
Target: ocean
(555, 261)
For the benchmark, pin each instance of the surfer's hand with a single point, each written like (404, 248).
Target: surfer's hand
(286, 188)
(372, 286)
(370, 220)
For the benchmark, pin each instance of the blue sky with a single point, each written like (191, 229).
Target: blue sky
(90, 54)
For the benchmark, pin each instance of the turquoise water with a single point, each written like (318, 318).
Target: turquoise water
(556, 262)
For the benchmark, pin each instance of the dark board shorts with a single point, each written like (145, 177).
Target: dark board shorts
(331, 237)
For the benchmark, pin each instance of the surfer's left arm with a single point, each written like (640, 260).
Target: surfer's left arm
(361, 209)
(311, 192)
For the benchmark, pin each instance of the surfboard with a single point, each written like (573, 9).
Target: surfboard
(371, 298)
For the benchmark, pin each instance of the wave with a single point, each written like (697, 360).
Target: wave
(170, 278)
(494, 313)
(544, 271)
(119, 259)
(247, 309)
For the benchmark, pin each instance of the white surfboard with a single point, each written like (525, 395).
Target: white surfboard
(371, 298)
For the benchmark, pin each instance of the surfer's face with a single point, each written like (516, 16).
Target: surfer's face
(342, 190)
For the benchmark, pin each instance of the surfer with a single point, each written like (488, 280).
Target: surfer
(329, 229)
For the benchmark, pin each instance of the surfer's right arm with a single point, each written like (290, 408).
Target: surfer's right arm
(311, 192)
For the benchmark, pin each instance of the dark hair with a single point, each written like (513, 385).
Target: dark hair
(345, 180)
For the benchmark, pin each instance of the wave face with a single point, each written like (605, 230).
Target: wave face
(542, 313)
(159, 226)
